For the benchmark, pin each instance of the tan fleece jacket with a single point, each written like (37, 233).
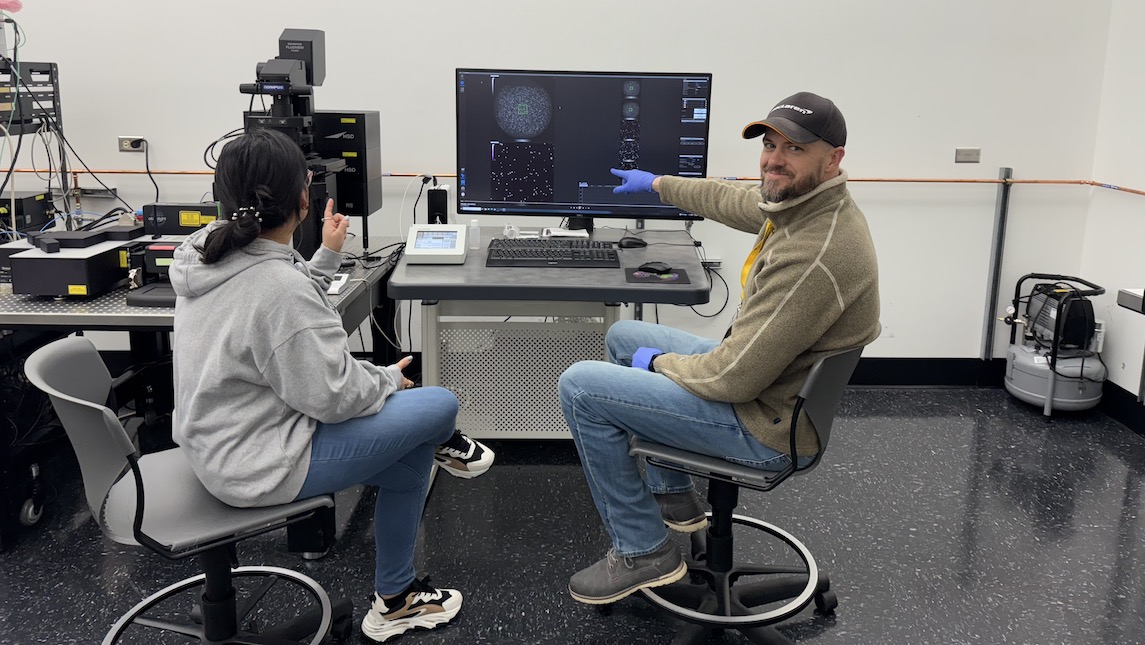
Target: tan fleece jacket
(814, 290)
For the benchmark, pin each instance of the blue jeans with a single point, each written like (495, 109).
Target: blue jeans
(392, 450)
(606, 402)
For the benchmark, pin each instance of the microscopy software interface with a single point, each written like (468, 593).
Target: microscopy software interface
(543, 142)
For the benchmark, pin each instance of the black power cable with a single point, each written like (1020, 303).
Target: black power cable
(147, 165)
(209, 153)
(425, 179)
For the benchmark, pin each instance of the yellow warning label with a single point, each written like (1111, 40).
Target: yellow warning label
(39, 198)
(77, 289)
(190, 218)
(207, 219)
(123, 259)
(349, 153)
(349, 119)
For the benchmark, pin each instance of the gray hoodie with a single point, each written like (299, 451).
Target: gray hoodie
(260, 358)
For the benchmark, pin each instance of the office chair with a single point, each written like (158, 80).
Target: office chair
(720, 594)
(180, 518)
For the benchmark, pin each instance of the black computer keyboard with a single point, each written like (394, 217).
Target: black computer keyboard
(583, 254)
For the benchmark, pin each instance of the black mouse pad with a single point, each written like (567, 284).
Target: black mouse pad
(675, 276)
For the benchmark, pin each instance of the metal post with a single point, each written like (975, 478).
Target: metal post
(997, 246)
(430, 343)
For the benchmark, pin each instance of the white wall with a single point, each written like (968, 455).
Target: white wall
(1022, 79)
(1115, 228)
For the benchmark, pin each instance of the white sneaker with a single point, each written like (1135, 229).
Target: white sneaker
(420, 607)
(463, 457)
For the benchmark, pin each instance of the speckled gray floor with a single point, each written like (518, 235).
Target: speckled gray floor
(942, 516)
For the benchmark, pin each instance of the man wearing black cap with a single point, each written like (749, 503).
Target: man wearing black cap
(810, 288)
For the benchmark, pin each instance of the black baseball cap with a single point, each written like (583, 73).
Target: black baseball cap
(803, 118)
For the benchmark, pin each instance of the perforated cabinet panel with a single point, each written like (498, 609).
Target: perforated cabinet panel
(505, 373)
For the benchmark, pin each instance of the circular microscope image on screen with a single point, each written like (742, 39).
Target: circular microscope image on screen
(631, 89)
(523, 111)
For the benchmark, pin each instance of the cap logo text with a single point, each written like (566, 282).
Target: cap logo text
(793, 107)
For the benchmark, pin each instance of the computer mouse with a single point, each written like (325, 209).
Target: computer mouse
(654, 267)
(630, 242)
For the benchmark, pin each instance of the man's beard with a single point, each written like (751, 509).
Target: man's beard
(798, 188)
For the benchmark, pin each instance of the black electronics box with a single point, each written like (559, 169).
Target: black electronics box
(308, 46)
(359, 198)
(358, 130)
(308, 235)
(158, 257)
(10, 249)
(75, 273)
(33, 210)
(178, 218)
(84, 239)
(354, 137)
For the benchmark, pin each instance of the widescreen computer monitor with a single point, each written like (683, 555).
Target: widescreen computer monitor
(542, 143)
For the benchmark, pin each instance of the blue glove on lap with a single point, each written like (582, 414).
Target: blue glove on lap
(642, 359)
(634, 181)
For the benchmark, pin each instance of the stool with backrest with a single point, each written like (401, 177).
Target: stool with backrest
(156, 501)
(723, 594)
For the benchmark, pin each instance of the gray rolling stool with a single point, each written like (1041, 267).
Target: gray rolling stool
(719, 593)
(180, 519)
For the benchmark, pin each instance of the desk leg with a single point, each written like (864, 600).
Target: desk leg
(611, 315)
(384, 312)
(383, 325)
(1141, 384)
(430, 349)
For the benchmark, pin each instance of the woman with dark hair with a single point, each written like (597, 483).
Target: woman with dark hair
(270, 405)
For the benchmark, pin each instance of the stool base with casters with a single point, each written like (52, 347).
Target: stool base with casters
(720, 593)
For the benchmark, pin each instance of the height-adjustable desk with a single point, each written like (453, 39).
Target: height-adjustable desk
(499, 337)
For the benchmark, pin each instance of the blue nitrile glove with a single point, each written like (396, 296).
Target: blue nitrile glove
(634, 181)
(642, 359)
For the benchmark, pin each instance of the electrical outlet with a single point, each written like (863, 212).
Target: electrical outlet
(131, 144)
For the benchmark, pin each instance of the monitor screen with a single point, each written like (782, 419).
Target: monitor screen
(542, 143)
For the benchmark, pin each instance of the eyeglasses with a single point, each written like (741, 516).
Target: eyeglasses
(309, 177)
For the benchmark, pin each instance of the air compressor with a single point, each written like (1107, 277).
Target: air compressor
(1057, 364)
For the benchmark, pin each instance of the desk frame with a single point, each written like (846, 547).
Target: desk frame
(499, 338)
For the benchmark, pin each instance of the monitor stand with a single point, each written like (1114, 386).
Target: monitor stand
(580, 223)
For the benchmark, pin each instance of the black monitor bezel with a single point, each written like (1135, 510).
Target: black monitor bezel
(618, 211)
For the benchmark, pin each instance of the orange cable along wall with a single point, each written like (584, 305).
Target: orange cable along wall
(904, 180)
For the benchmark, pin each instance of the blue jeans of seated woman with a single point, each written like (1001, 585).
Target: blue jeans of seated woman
(606, 402)
(392, 450)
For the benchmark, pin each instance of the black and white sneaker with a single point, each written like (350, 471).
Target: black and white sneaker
(463, 457)
(420, 606)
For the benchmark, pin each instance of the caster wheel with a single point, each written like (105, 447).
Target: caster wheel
(342, 629)
(30, 513)
(824, 583)
(826, 602)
